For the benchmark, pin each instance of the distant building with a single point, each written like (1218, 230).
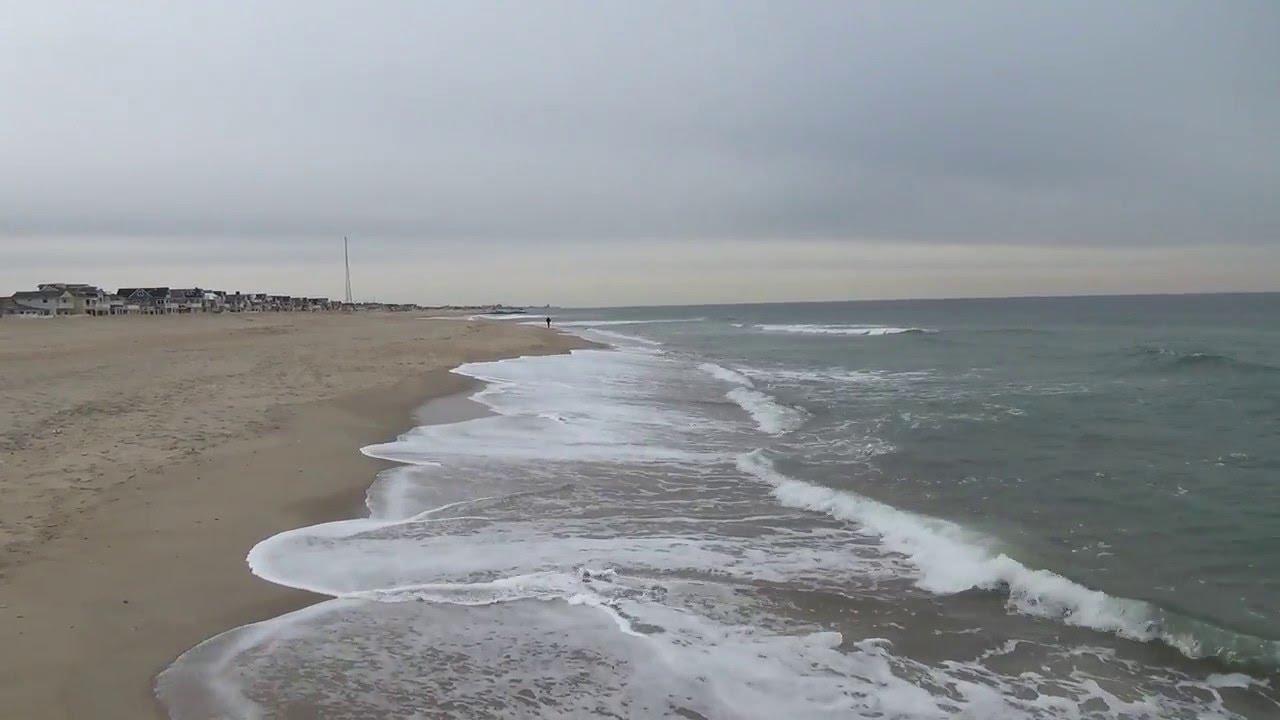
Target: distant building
(115, 305)
(59, 299)
(194, 300)
(215, 301)
(235, 302)
(146, 301)
(84, 299)
(51, 302)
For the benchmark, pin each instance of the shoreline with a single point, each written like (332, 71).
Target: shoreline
(156, 565)
(448, 407)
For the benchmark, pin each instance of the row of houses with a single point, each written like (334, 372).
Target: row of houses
(57, 299)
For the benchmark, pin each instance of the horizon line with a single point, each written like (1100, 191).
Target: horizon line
(924, 299)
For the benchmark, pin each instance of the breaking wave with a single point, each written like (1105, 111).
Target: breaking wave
(862, 330)
(724, 373)
(770, 416)
(607, 323)
(951, 559)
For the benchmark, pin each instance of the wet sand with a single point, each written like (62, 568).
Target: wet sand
(143, 457)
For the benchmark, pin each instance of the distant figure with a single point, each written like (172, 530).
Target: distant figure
(548, 322)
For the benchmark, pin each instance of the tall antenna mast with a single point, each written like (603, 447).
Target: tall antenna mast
(346, 256)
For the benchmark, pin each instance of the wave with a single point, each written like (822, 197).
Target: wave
(603, 323)
(1170, 360)
(1014, 331)
(626, 339)
(951, 559)
(495, 316)
(724, 373)
(770, 415)
(862, 330)
(835, 375)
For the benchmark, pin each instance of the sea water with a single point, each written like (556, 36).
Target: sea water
(1040, 508)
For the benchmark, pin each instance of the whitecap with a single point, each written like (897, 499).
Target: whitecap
(769, 415)
(838, 329)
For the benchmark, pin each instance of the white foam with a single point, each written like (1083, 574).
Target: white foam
(770, 415)
(831, 375)
(817, 329)
(605, 646)
(594, 642)
(625, 340)
(724, 373)
(501, 316)
(1234, 680)
(951, 559)
(603, 323)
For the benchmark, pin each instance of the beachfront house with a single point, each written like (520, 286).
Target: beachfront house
(147, 301)
(85, 298)
(50, 302)
(114, 305)
(194, 300)
(53, 299)
(235, 302)
(187, 300)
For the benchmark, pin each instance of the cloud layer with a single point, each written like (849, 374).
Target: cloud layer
(1088, 124)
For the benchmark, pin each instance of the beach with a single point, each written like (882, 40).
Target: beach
(912, 509)
(141, 458)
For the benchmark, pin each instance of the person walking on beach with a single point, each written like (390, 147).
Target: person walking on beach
(548, 321)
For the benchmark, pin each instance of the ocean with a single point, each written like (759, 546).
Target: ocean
(1022, 508)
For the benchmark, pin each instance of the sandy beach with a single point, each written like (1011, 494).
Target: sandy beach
(141, 458)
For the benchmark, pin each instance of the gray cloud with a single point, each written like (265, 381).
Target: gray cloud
(1138, 124)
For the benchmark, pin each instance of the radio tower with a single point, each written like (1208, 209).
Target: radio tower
(346, 256)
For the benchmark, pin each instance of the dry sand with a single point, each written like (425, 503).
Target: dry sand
(141, 458)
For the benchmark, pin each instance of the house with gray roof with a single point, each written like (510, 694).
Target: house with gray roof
(51, 302)
(146, 301)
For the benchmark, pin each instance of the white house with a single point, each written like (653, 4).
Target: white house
(44, 302)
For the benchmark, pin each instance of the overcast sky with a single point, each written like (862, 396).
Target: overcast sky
(642, 152)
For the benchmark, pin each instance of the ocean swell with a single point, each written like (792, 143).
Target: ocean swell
(1162, 359)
